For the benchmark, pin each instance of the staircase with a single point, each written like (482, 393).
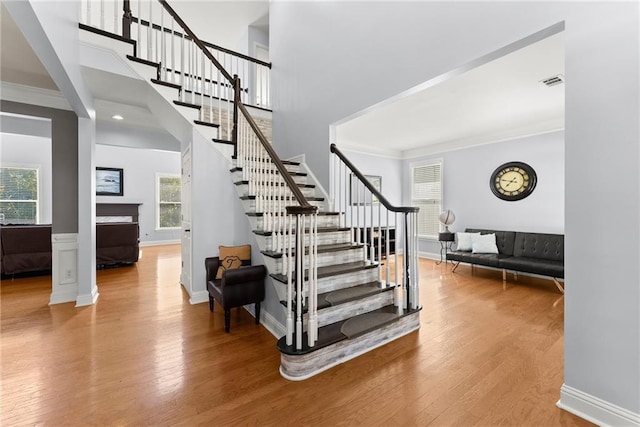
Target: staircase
(327, 262)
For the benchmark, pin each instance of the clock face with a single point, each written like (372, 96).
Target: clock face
(513, 181)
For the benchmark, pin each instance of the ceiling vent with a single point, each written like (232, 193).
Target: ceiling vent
(552, 81)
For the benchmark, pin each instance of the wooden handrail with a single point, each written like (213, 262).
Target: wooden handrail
(276, 160)
(196, 40)
(206, 43)
(374, 191)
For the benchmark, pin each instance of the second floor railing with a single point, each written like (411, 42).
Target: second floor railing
(159, 39)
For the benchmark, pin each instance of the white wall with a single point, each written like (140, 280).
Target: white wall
(140, 169)
(32, 151)
(333, 59)
(466, 189)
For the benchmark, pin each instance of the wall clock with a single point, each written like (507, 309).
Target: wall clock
(513, 181)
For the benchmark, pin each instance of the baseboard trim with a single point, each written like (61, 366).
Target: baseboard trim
(429, 255)
(272, 325)
(199, 297)
(594, 409)
(87, 299)
(60, 297)
(160, 242)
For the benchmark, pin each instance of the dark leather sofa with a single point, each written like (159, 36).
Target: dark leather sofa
(535, 253)
(27, 248)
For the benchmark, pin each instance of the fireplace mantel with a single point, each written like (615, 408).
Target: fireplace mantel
(118, 210)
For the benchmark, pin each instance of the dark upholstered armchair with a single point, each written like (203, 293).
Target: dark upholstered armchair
(237, 287)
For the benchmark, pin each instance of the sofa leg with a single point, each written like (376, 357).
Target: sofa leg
(227, 319)
(210, 303)
(558, 285)
(453, 270)
(504, 275)
(515, 275)
(257, 313)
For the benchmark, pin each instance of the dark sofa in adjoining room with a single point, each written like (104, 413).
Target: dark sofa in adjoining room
(534, 253)
(27, 248)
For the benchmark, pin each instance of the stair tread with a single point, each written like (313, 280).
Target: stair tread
(168, 84)
(309, 198)
(239, 169)
(333, 270)
(223, 141)
(333, 247)
(200, 122)
(335, 332)
(350, 294)
(320, 230)
(188, 104)
(142, 61)
(280, 183)
(319, 213)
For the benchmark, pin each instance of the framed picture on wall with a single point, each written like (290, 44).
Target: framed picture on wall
(109, 182)
(359, 194)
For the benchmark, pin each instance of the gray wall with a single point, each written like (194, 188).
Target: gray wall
(333, 59)
(466, 190)
(64, 155)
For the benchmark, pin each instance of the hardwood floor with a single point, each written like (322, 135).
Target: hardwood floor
(485, 355)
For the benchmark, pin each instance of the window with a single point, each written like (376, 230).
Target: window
(426, 193)
(18, 195)
(169, 206)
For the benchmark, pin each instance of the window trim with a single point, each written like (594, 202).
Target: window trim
(157, 201)
(38, 168)
(423, 163)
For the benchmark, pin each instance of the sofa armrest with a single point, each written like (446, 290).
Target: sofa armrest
(211, 266)
(250, 273)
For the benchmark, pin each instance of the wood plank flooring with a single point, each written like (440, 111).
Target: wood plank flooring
(485, 355)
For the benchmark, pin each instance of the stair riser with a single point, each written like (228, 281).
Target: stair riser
(243, 190)
(297, 368)
(298, 179)
(277, 265)
(350, 309)
(267, 243)
(334, 283)
(324, 221)
(266, 164)
(250, 205)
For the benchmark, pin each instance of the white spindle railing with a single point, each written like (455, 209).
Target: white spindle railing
(357, 201)
(211, 78)
(158, 38)
(293, 226)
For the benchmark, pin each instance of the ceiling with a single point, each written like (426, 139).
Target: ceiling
(498, 100)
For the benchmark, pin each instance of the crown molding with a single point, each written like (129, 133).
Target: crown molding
(33, 95)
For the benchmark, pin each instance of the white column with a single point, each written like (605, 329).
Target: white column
(87, 288)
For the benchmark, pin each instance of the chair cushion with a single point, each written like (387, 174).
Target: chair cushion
(490, 260)
(534, 265)
(233, 257)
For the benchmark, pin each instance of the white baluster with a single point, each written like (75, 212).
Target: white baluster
(288, 225)
(149, 38)
(115, 18)
(388, 256)
(299, 276)
(313, 323)
(102, 14)
(380, 242)
(397, 295)
(88, 12)
(173, 52)
(139, 46)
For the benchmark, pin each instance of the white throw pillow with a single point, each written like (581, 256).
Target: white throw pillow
(484, 244)
(464, 241)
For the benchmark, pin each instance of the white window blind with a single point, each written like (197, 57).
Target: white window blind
(169, 201)
(426, 193)
(18, 195)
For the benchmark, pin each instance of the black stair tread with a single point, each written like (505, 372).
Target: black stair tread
(143, 61)
(309, 198)
(188, 104)
(224, 141)
(356, 292)
(331, 334)
(333, 270)
(239, 169)
(259, 214)
(333, 247)
(200, 122)
(320, 230)
(168, 84)
(279, 183)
